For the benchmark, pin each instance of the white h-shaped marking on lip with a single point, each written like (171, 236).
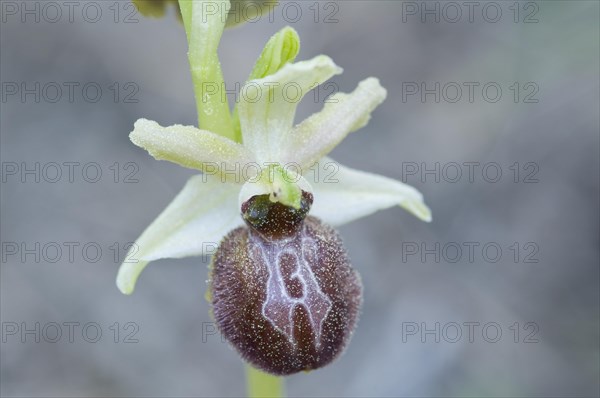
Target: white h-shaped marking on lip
(278, 299)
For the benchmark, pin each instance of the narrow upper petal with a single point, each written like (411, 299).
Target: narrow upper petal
(192, 224)
(343, 194)
(343, 113)
(191, 147)
(267, 106)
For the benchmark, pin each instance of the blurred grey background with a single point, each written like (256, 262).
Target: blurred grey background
(541, 292)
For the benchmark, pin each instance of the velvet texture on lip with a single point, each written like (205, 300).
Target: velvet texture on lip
(283, 291)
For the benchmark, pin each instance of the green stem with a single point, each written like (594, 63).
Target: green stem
(204, 22)
(263, 385)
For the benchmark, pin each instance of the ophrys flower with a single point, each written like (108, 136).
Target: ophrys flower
(209, 205)
(282, 288)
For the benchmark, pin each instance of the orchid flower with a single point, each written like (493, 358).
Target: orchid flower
(279, 266)
(208, 207)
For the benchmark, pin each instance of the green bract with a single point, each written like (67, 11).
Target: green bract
(239, 12)
(249, 10)
(154, 8)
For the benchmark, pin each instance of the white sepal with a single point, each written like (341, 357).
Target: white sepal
(343, 194)
(191, 147)
(192, 224)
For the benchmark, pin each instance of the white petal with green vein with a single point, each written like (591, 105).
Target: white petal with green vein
(192, 224)
(343, 113)
(343, 194)
(191, 147)
(267, 106)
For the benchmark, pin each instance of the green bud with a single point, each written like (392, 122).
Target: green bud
(155, 8)
(240, 11)
(248, 10)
